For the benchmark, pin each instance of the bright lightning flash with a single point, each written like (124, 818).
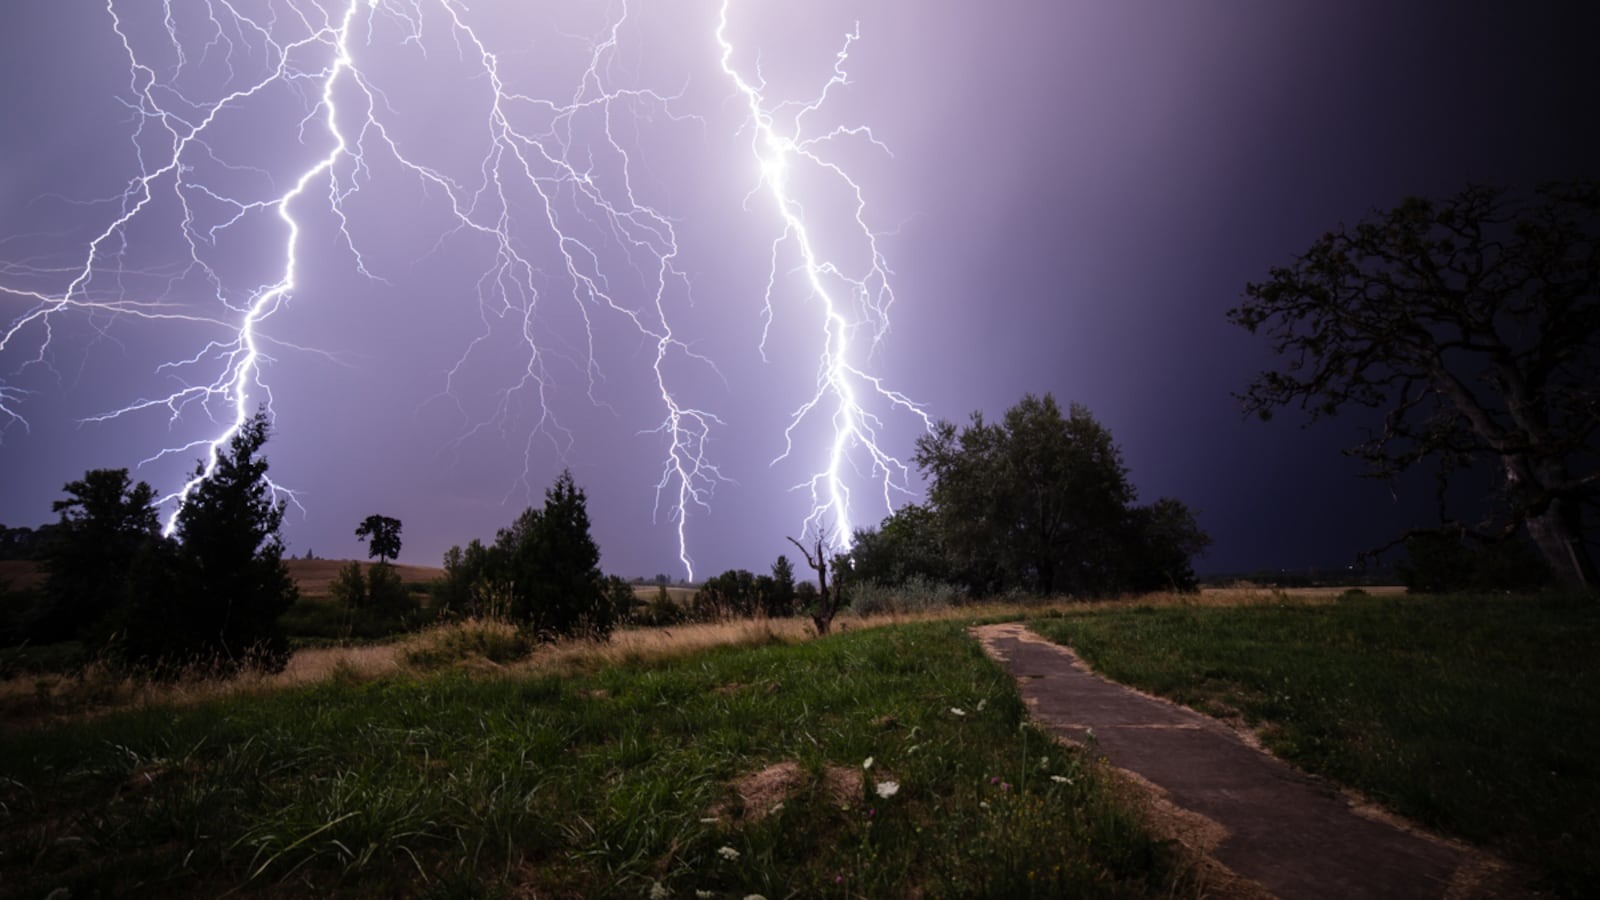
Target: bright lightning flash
(548, 198)
(854, 305)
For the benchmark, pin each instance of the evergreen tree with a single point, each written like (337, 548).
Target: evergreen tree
(215, 598)
(554, 568)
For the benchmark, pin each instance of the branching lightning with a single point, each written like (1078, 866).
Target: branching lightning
(550, 200)
(854, 305)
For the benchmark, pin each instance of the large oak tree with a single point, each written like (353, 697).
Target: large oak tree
(1471, 324)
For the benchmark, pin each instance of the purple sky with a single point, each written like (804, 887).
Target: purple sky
(1064, 197)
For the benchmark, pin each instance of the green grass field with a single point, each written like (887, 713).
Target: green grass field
(613, 778)
(1473, 715)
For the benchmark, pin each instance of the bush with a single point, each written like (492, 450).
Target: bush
(916, 594)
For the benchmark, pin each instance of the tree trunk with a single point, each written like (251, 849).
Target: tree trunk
(1558, 534)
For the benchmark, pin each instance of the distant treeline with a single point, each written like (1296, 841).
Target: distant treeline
(24, 542)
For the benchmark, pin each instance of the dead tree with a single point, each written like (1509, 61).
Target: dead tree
(828, 602)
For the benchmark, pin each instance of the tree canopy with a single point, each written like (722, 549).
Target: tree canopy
(384, 534)
(1039, 502)
(106, 523)
(1473, 325)
(542, 571)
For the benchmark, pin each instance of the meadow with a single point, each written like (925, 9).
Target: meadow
(709, 761)
(1471, 715)
(748, 757)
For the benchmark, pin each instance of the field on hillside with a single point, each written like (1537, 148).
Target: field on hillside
(1471, 714)
(315, 576)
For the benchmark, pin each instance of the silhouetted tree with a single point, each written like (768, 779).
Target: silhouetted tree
(554, 567)
(1042, 502)
(1162, 541)
(384, 533)
(778, 597)
(106, 523)
(214, 599)
(1473, 323)
(828, 600)
(1031, 502)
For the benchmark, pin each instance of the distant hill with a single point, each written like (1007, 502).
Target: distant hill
(315, 576)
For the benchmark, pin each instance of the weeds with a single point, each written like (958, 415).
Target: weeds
(595, 775)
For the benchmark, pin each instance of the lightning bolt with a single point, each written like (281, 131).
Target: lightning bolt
(853, 303)
(549, 199)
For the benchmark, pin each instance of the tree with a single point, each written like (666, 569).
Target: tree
(904, 546)
(1163, 539)
(826, 602)
(778, 598)
(1032, 502)
(1473, 324)
(385, 535)
(554, 567)
(106, 523)
(215, 598)
(729, 595)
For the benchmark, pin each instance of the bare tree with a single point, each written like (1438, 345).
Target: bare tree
(828, 601)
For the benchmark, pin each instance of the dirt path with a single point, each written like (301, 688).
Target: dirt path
(1292, 835)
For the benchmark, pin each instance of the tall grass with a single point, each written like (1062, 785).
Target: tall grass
(1473, 715)
(586, 775)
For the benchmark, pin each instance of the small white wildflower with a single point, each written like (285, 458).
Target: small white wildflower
(982, 703)
(887, 789)
(728, 853)
(867, 764)
(658, 891)
(1060, 779)
(984, 804)
(957, 711)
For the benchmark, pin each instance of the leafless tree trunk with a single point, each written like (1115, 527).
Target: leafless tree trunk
(827, 601)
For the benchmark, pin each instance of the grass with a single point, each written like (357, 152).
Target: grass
(584, 771)
(1472, 715)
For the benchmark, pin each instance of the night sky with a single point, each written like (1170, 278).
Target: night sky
(1062, 197)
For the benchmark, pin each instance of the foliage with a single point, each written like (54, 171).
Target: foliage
(475, 583)
(913, 595)
(905, 546)
(727, 596)
(213, 599)
(1462, 712)
(384, 534)
(777, 592)
(24, 542)
(378, 589)
(1042, 502)
(599, 783)
(1473, 324)
(662, 610)
(1159, 546)
(1442, 563)
(620, 596)
(106, 524)
(554, 566)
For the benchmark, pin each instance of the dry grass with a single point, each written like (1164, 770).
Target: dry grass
(97, 690)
